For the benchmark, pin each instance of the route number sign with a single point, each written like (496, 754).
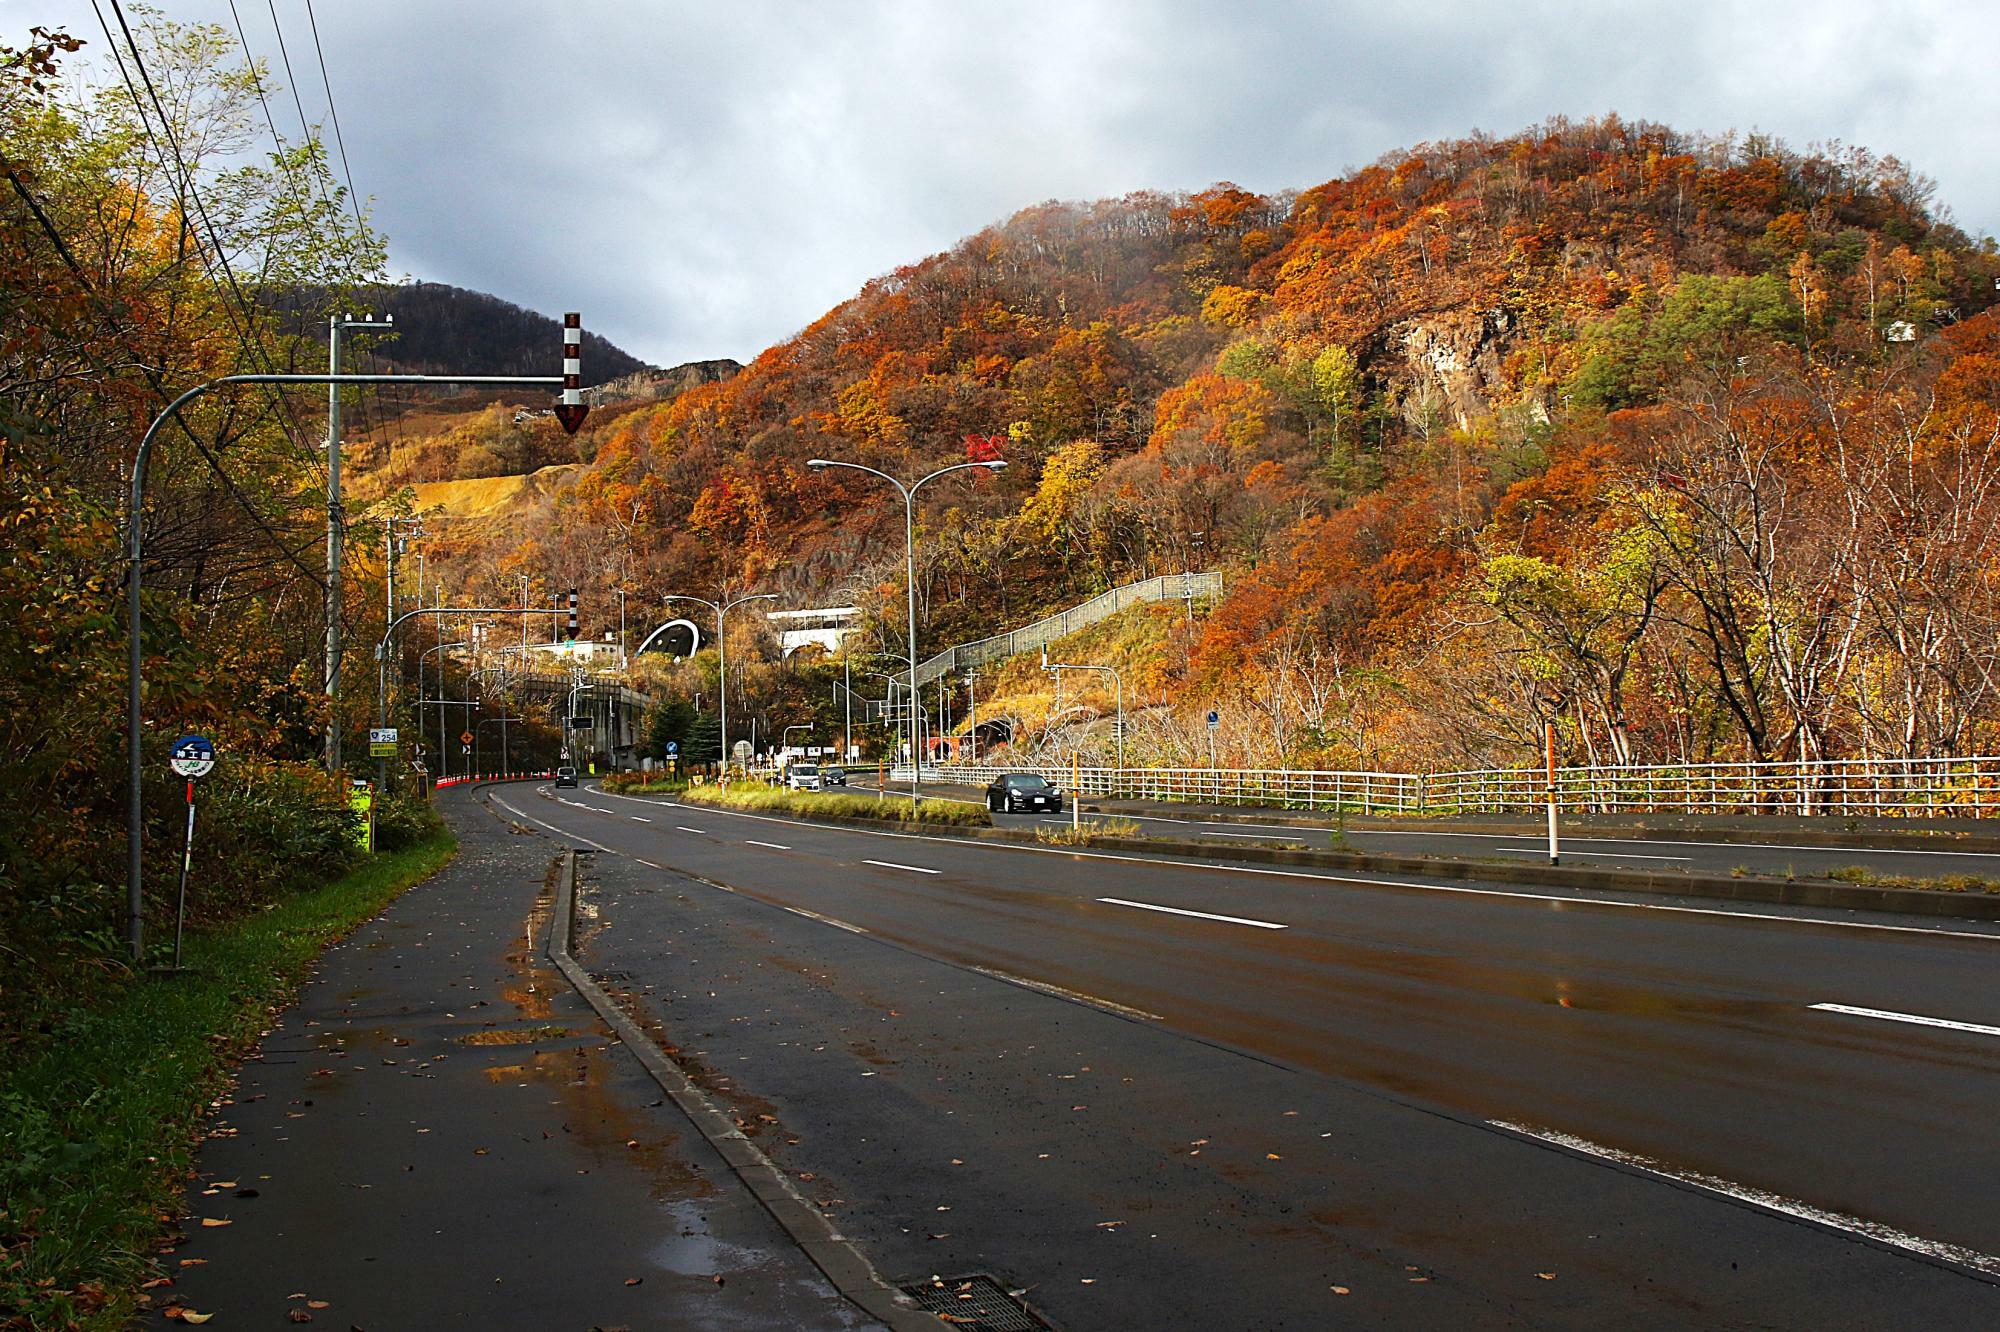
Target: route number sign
(381, 742)
(192, 756)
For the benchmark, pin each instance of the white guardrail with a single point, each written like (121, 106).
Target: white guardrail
(1852, 788)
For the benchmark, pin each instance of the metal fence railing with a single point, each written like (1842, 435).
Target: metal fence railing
(1967, 787)
(1163, 587)
(1361, 792)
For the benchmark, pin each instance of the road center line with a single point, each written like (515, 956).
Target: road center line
(1598, 855)
(1771, 1202)
(890, 864)
(684, 828)
(1915, 1019)
(1201, 915)
(775, 846)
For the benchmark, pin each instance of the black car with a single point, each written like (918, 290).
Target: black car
(1014, 792)
(832, 777)
(565, 776)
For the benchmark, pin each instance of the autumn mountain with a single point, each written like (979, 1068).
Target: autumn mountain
(1680, 442)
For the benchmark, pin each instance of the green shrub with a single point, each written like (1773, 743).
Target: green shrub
(403, 821)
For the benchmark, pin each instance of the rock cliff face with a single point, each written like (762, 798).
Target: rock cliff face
(1462, 357)
(655, 385)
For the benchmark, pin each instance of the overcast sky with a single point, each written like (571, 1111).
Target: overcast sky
(705, 179)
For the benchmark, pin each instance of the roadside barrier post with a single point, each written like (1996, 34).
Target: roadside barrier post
(1549, 745)
(1076, 791)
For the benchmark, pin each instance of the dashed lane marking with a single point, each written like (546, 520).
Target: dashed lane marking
(699, 831)
(1074, 996)
(1770, 1202)
(826, 920)
(775, 846)
(1199, 915)
(1914, 1019)
(890, 864)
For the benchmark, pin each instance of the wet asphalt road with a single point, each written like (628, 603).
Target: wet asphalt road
(1223, 1120)
(441, 1134)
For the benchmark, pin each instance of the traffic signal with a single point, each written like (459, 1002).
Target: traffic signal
(572, 617)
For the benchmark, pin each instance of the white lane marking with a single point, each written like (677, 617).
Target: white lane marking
(1130, 859)
(1772, 1202)
(560, 832)
(638, 818)
(1200, 915)
(826, 920)
(1916, 1019)
(684, 828)
(647, 863)
(775, 846)
(890, 864)
(1600, 855)
(1075, 996)
(1668, 841)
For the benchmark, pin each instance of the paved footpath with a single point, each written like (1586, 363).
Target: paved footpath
(442, 1134)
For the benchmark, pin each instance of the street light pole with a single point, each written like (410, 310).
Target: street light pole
(336, 529)
(722, 607)
(909, 493)
(1117, 680)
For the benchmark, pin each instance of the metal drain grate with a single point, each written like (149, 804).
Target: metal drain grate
(977, 1303)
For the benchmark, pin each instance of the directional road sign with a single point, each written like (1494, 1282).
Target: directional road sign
(381, 742)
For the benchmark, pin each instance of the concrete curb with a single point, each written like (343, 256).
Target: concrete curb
(1824, 894)
(844, 1265)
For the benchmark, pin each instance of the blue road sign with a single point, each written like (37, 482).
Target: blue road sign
(192, 756)
(1214, 720)
(673, 748)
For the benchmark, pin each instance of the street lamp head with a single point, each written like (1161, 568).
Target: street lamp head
(817, 463)
(994, 465)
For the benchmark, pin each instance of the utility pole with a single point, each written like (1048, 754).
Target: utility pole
(972, 721)
(336, 534)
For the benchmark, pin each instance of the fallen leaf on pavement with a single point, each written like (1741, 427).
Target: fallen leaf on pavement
(299, 1316)
(190, 1316)
(633, 1281)
(215, 1221)
(1272, 1156)
(1340, 1290)
(319, 1304)
(1546, 1276)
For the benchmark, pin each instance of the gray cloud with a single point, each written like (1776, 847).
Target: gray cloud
(703, 180)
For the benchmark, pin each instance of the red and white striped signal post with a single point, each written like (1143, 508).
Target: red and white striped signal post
(570, 411)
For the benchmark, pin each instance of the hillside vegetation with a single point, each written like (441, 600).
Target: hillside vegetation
(1683, 443)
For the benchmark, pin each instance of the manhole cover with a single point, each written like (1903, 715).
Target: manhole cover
(977, 1303)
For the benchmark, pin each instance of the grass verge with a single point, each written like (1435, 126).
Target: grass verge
(1944, 883)
(99, 1130)
(1084, 834)
(778, 800)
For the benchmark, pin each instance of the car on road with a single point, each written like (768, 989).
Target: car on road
(803, 777)
(832, 777)
(1017, 792)
(565, 776)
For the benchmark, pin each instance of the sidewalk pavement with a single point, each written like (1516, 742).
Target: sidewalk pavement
(442, 1134)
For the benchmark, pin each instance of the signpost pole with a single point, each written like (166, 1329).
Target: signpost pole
(187, 863)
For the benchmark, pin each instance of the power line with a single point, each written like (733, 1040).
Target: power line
(184, 188)
(353, 199)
